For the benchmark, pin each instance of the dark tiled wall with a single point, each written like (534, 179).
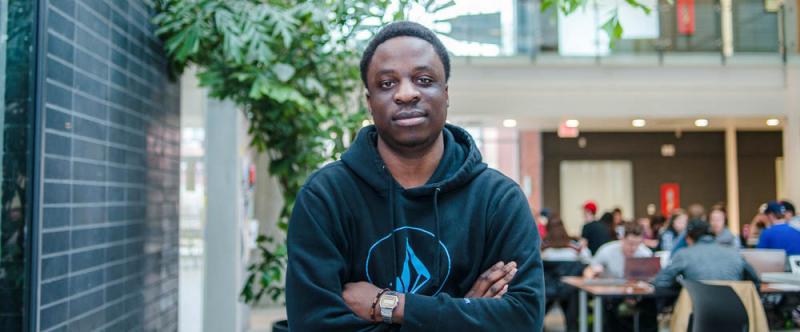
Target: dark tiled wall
(108, 253)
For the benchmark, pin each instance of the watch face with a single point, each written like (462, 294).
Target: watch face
(388, 301)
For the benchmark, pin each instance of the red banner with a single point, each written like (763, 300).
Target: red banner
(670, 198)
(685, 10)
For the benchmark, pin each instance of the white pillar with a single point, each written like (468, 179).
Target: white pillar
(732, 178)
(791, 137)
(224, 268)
(726, 21)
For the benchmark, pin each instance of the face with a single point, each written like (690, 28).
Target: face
(645, 222)
(717, 221)
(617, 218)
(630, 243)
(680, 223)
(407, 93)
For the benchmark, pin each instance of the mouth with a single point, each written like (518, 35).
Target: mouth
(409, 118)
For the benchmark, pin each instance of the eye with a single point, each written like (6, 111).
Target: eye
(386, 84)
(425, 80)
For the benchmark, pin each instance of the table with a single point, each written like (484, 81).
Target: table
(628, 290)
(781, 277)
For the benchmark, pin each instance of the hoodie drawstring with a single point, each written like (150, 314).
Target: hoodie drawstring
(436, 236)
(394, 227)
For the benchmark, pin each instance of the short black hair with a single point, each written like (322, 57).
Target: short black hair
(697, 228)
(788, 206)
(404, 29)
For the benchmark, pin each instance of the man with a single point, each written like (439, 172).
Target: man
(397, 233)
(596, 232)
(609, 262)
(704, 259)
(781, 235)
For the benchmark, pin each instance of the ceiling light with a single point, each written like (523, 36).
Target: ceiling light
(638, 123)
(509, 123)
(572, 123)
(773, 122)
(701, 123)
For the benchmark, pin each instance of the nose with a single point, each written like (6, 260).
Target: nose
(407, 93)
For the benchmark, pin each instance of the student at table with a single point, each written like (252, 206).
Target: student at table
(705, 259)
(609, 262)
(782, 234)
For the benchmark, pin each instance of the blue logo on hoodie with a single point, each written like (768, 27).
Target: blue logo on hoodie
(415, 273)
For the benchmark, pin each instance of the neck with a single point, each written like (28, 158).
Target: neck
(412, 169)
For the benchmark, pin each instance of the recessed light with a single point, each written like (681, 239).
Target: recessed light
(638, 123)
(509, 123)
(773, 122)
(701, 123)
(572, 123)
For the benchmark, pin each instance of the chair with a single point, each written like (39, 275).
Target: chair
(715, 308)
(558, 292)
(553, 271)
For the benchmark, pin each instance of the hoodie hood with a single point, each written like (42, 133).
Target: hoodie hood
(461, 162)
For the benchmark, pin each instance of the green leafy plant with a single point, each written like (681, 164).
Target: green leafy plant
(612, 26)
(292, 67)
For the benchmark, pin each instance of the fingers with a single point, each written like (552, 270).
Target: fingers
(491, 282)
(485, 280)
(502, 292)
(497, 288)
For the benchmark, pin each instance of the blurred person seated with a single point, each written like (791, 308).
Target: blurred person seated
(618, 222)
(718, 221)
(562, 256)
(559, 246)
(696, 211)
(609, 262)
(704, 259)
(677, 225)
(752, 231)
(541, 221)
(597, 232)
(781, 235)
(650, 230)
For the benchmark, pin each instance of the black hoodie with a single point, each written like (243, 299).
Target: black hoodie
(353, 222)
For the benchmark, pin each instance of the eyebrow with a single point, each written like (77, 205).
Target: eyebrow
(391, 71)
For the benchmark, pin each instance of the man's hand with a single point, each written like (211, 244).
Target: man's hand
(494, 282)
(591, 272)
(359, 297)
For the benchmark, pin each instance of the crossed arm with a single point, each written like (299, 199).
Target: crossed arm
(359, 296)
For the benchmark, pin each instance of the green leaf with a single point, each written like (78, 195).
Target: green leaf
(283, 71)
(613, 28)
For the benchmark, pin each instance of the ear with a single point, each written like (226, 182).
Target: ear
(447, 94)
(366, 95)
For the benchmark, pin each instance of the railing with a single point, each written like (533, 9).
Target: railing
(521, 30)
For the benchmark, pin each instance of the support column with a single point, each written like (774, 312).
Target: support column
(791, 137)
(726, 20)
(530, 156)
(223, 238)
(732, 178)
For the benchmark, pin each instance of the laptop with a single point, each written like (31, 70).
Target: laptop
(765, 260)
(642, 268)
(636, 269)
